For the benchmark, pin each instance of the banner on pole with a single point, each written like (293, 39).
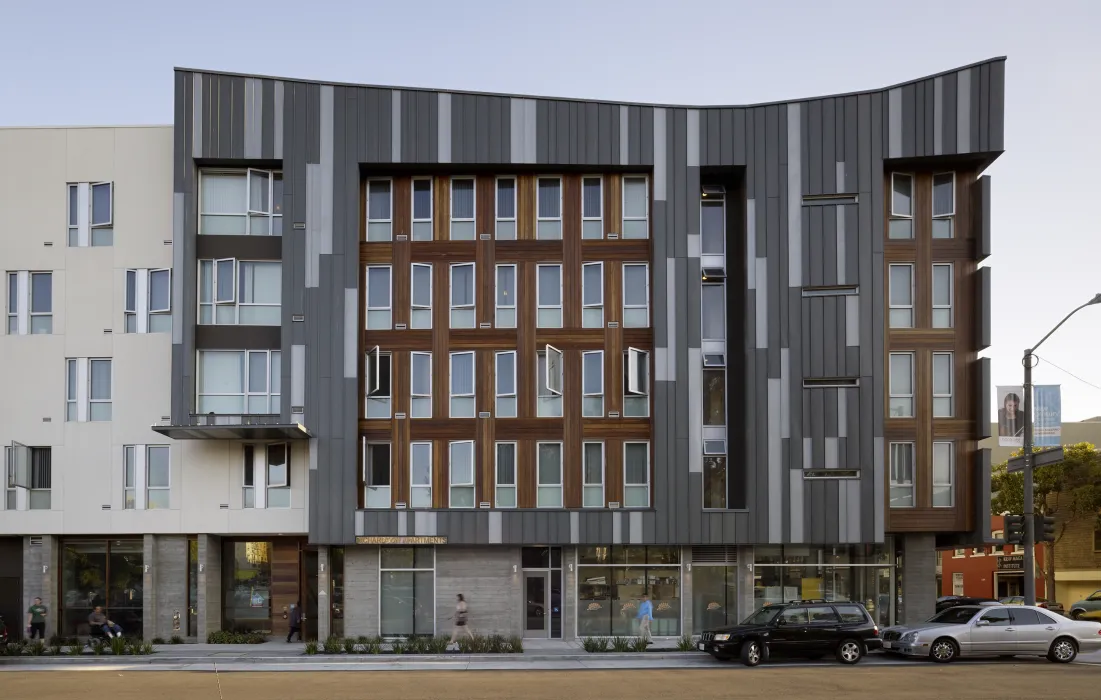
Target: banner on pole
(1011, 416)
(1047, 415)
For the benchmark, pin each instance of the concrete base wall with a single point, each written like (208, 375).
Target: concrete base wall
(169, 571)
(360, 591)
(210, 585)
(919, 581)
(40, 577)
(484, 575)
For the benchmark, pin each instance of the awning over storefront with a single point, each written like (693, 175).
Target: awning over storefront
(234, 427)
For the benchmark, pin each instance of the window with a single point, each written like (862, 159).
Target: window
(902, 474)
(240, 292)
(636, 475)
(241, 203)
(88, 389)
(901, 225)
(90, 207)
(407, 596)
(30, 303)
(506, 209)
(549, 487)
(902, 385)
(997, 617)
(942, 295)
(713, 304)
(462, 385)
(420, 385)
(379, 211)
(975, 551)
(41, 478)
(376, 474)
(548, 224)
(959, 554)
(422, 209)
(636, 295)
(713, 222)
(943, 402)
(13, 303)
(248, 480)
(902, 296)
(129, 477)
(506, 475)
(379, 291)
(714, 473)
(957, 583)
(462, 295)
(35, 472)
(378, 384)
(239, 382)
(592, 384)
(714, 396)
(461, 465)
(944, 204)
(420, 475)
(420, 296)
(549, 280)
(506, 384)
(592, 295)
(506, 296)
(462, 209)
(592, 208)
(279, 476)
(549, 380)
(636, 207)
(636, 383)
(148, 301)
(944, 475)
(592, 475)
(158, 477)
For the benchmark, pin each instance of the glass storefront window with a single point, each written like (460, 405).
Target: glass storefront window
(246, 586)
(336, 594)
(608, 596)
(107, 573)
(714, 597)
(407, 598)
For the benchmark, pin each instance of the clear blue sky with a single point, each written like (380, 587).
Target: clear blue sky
(110, 62)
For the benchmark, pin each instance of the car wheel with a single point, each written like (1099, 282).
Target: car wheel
(849, 651)
(751, 653)
(1076, 614)
(944, 650)
(1063, 650)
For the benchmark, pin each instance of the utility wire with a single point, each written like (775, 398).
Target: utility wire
(1067, 372)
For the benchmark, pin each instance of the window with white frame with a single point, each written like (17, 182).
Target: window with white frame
(713, 312)
(88, 389)
(39, 466)
(420, 475)
(237, 382)
(420, 385)
(592, 475)
(942, 295)
(549, 380)
(506, 209)
(549, 292)
(636, 475)
(147, 479)
(422, 209)
(944, 474)
(378, 384)
(548, 216)
(505, 471)
(592, 384)
(636, 383)
(548, 491)
(91, 214)
(462, 384)
(902, 385)
(461, 470)
(901, 299)
(505, 378)
(30, 303)
(249, 491)
(506, 296)
(713, 221)
(636, 295)
(130, 477)
(944, 204)
(943, 385)
(714, 394)
(240, 292)
(462, 295)
(420, 296)
(148, 301)
(636, 207)
(379, 293)
(714, 474)
(267, 476)
(241, 202)
(462, 209)
(376, 474)
(592, 295)
(901, 224)
(380, 217)
(902, 475)
(279, 476)
(592, 208)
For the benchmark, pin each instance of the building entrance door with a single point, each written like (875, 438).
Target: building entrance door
(1009, 585)
(536, 604)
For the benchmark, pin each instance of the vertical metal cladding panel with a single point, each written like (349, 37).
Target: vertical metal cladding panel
(544, 131)
(930, 116)
(996, 107)
(267, 119)
(976, 110)
(982, 398)
(829, 144)
(814, 147)
(237, 117)
(909, 120)
(948, 112)
(919, 119)
(607, 135)
(983, 302)
(984, 107)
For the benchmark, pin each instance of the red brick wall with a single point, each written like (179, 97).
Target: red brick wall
(978, 571)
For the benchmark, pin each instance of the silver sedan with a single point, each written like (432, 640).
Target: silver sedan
(1001, 630)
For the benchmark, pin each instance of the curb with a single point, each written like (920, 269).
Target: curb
(381, 659)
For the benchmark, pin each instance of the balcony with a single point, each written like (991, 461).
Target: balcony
(228, 426)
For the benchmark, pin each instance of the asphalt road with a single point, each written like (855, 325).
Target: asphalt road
(923, 681)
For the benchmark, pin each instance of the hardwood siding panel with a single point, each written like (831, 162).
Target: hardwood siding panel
(571, 251)
(525, 341)
(399, 444)
(529, 251)
(485, 253)
(441, 313)
(613, 205)
(402, 281)
(376, 253)
(613, 339)
(621, 251)
(402, 207)
(519, 429)
(284, 583)
(525, 208)
(525, 472)
(441, 208)
(440, 461)
(444, 251)
(571, 429)
(613, 470)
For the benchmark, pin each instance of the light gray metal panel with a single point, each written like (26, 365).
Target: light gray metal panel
(750, 245)
(575, 527)
(253, 117)
(395, 125)
(279, 107)
(761, 296)
(843, 413)
(298, 375)
(313, 224)
(938, 115)
(351, 333)
(617, 527)
(671, 316)
(785, 393)
(693, 146)
(443, 125)
(853, 508)
(963, 111)
(197, 115)
(624, 140)
(403, 523)
(894, 126)
(660, 154)
(831, 452)
(325, 228)
(635, 527)
(877, 501)
(796, 507)
(775, 475)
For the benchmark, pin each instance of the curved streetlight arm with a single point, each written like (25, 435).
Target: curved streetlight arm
(1091, 302)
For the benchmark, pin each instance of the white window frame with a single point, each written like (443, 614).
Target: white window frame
(233, 301)
(706, 370)
(635, 307)
(703, 310)
(634, 359)
(547, 315)
(381, 230)
(497, 218)
(284, 485)
(949, 216)
(893, 304)
(272, 399)
(623, 207)
(108, 402)
(505, 405)
(82, 226)
(893, 394)
(420, 403)
(902, 484)
(72, 389)
(20, 305)
(248, 478)
(276, 209)
(31, 313)
(379, 317)
(451, 213)
(950, 484)
(709, 198)
(944, 309)
(549, 405)
(375, 403)
(452, 484)
(418, 232)
(540, 219)
(592, 312)
(939, 399)
(383, 494)
(420, 315)
(646, 486)
(420, 495)
(505, 315)
(897, 216)
(587, 221)
(466, 397)
(130, 477)
(589, 490)
(149, 488)
(500, 487)
(72, 206)
(463, 308)
(539, 485)
(592, 403)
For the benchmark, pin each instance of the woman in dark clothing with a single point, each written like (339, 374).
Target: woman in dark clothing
(1011, 421)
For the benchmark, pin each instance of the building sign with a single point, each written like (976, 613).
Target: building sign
(1011, 562)
(1047, 415)
(1011, 416)
(402, 540)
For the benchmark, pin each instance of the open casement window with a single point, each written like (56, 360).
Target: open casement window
(376, 474)
(901, 224)
(592, 295)
(462, 385)
(420, 296)
(592, 474)
(713, 311)
(225, 281)
(129, 478)
(505, 379)
(379, 211)
(714, 396)
(636, 384)
(422, 209)
(548, 224)
(636, 475)
(131, 309)
(549, 382)
(549, 281)
(506, 209)
(420, 385)
(377, 381)
(279, 476)
(944, 204)
(420, 475)
(379, 297)
(506, 296)
(714, 474)
(248, 478)
(548, 493)
(592, 384)
(636, 207)
(462, 209)
(461, 466)
(592, 208)
(462, 296)
(505, 470)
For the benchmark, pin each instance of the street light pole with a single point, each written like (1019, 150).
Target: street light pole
(1029, 563)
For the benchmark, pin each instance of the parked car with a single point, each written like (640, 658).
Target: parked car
(1088, 609)
(951, 601)
(998, 630)
(1040, 602)
(800, 628)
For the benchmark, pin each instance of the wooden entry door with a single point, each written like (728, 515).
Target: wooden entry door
(284, 584)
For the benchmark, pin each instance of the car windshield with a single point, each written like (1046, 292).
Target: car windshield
(762, 616)
(955, 616)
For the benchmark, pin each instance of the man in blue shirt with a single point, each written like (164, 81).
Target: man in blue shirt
(645, 615)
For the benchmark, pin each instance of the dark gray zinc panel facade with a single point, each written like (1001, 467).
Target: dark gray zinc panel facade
(323, 135)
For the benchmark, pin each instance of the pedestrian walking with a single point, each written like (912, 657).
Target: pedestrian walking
(36, 620)
(645, 615)
(460, 618)
(296, 622)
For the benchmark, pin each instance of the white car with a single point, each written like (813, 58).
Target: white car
(999, 630)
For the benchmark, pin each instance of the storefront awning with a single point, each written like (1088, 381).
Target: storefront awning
(233, 427)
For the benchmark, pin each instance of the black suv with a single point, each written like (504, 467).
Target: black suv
(801, 628)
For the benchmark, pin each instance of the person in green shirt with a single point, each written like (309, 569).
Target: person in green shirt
(36, 620)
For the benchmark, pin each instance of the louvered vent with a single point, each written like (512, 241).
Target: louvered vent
(715, 554)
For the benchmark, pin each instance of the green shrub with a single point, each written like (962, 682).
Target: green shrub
(177, 639)
(639, 644)
(76, 649)
(55, 649)
(374, 645)
(333, 645)
(399, 646)
(685, 643)
(226, 637)
(622, 644)
(437, 645)
(56, 640)
(350, 646)
(158, 640)
(311, 648)
(119, 646)
(515, 644)
(363, 639)
(37, 647)
(98, 647)
(147, 649)
(595, 645)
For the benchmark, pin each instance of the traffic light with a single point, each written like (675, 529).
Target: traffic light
(1015, 529)
(1045, 528)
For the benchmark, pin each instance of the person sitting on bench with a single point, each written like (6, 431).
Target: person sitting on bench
(99, 621)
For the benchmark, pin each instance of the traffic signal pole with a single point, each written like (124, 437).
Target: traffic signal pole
(1030, 520)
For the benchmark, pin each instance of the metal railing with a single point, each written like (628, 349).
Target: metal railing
(235, 419)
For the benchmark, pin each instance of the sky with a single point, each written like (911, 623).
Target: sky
(110, 62)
